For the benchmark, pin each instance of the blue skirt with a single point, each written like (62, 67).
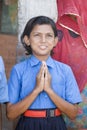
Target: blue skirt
(49, 123)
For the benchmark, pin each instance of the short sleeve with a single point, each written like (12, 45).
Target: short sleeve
(72, 90)
(3, 83)
(1, 64)
(14, 86)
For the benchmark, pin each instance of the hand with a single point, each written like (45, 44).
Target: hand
(47, 79)
(40, 78)
(43, 78)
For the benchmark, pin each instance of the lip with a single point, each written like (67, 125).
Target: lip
(42, 47)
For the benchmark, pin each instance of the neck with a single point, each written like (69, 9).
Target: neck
(42, 58)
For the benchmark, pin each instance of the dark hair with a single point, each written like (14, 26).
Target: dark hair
(39, 20)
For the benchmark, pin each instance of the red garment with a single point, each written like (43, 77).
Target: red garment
(72, 46)
(77, 8)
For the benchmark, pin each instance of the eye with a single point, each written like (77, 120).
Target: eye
(50, 35)
(37, 35)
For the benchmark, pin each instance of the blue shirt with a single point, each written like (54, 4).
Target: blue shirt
(23, 79)
(3, 83)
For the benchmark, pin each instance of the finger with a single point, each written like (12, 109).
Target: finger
(46, 71)
(41, 70)
(42, 74)
(43, 62)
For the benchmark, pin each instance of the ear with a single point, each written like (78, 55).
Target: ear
(55, 41)
(26, 40)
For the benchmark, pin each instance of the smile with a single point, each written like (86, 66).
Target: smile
(42, 47)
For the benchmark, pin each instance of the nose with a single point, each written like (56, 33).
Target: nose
(43, 38)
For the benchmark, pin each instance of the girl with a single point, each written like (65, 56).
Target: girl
(40, 88)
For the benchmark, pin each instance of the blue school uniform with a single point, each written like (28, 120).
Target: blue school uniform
(23, 79)
(3, 83)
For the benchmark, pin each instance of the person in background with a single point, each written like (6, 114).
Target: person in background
(40, 88)
(3, 87)
(3, 83)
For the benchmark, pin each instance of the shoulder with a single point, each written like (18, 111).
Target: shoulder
(62, 65)
(21, 67)
(1, 60)
(21, 64)
(63, 68)
(1, 63)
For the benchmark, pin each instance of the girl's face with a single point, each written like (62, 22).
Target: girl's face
(42, 41)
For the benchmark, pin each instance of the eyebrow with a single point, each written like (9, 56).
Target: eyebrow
(41, 33)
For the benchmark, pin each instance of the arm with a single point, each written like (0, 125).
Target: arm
(69, 109)
(15, 110)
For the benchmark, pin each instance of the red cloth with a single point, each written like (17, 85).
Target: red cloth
(72, 46)
(77, 8)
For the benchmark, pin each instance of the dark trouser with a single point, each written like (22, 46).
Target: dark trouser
(48, 123)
